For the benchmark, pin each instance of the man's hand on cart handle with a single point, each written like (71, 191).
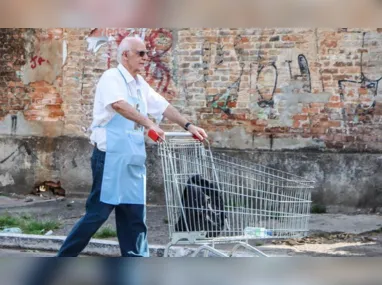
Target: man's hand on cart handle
(199, 133)
(155, 137)
(156, 133)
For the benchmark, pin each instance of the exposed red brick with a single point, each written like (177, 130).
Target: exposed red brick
(291, 38)
(232, 104)
(327, 77)
(296, 124)
(208, 62)
(330, 43)
(261, 122)
(334, 105)
(335, 124)
(335, 98)
(258, 128)
(56, 114)
(340, 77)
(317, 105)
(300, 117)
(330, 70)
(277, 129)
(362, 91)
(319, 130)
(53, 107)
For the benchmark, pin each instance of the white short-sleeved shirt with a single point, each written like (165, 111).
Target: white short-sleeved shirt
(112, 88)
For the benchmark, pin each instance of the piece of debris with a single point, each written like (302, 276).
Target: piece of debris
(291, 242)
(49, 233)
(368, 239)
(12, 231)
(300, 241)
(326, 238)
(29, 199)
(48, 188)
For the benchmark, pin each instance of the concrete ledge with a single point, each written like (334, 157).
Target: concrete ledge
(95, 247)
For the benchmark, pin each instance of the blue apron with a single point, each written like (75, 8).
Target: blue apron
(124, 176)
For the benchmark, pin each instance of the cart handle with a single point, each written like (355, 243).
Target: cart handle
(155, 137)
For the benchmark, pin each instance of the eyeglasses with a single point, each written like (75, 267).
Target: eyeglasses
(142, 53)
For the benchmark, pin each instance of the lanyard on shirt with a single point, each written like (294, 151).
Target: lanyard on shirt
(128, 86)
(136, 125)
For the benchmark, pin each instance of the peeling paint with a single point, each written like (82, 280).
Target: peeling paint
(28, 127)
(44, 61)
(297, 143)
(237, 138)
(6, 179)
(291, 104)
(143, 34)
(64, 51)
(95, 43)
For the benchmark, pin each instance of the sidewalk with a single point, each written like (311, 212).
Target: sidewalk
(330, 234)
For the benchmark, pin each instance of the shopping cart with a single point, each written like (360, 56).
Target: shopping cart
(215, 199)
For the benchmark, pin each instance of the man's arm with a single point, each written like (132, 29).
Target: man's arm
(174, 116)
(156, 104)
(130, 113)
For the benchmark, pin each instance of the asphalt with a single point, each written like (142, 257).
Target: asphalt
(365, 238)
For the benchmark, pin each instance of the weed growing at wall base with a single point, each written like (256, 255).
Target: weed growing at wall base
(27, 224)
(106, 232)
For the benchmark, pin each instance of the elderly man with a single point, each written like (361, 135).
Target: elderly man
(122, 101)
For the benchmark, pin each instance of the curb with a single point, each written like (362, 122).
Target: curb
(96, 247)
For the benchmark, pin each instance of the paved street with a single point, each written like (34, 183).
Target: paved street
(24, 253)
(331, 234)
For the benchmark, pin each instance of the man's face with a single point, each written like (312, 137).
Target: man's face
(136, 57)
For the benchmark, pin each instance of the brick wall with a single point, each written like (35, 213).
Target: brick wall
(30, 76)
(250, 88)
(11, 59)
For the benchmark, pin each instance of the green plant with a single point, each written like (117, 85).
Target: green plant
(318, 209)
(106, 232)
(27, 224)
(36, 227)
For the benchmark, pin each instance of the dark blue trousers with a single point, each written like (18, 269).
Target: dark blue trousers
(130, 220)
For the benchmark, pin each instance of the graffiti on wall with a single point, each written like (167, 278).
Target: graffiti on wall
(37, 61)
(230, 54)
(304, 75)
(266, 83)
(226, 99)
(367, 91)
(215, 54)
(157, 70)
(34, 64)
(159, 43)
(363, 91)
(263, 74)
(45, 60)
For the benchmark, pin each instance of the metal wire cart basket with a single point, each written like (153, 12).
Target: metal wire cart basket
(217, 199)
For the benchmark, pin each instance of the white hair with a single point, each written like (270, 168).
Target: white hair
(125, 45)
